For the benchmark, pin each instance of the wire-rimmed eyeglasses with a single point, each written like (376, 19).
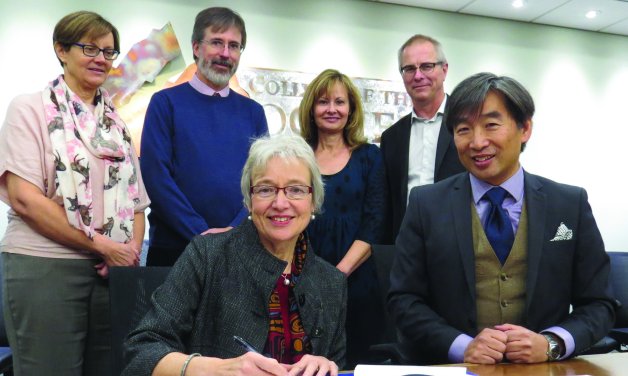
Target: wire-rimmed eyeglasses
(292, 192)
(219, 45)
(410, 70)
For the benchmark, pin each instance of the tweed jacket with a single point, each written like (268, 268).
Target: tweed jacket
(220, 287)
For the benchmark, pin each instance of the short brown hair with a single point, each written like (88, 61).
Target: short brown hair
(71, 28)
(219, 19)
(353, 132)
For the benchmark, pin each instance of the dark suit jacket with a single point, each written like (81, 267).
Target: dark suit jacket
(220, 287)
(432, 294)
(395, 147)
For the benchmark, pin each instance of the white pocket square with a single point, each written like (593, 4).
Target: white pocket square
(562, 233)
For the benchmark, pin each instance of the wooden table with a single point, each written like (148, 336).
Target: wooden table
(611, 364)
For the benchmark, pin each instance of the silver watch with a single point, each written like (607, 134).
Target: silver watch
(553, 348)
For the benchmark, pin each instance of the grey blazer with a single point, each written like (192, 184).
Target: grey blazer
(220, 287)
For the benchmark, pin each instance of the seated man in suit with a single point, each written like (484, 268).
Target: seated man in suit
(488, 262)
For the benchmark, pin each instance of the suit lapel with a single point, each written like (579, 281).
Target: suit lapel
(404, 152)
(537, 207)
(444, 140)
(461, 211)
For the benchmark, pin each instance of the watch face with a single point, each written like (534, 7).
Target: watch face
(554, 352)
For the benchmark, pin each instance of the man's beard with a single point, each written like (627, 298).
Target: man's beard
(217, 78)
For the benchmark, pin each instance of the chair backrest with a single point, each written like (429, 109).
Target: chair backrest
(130, 290)
(4, 341)
(6, 356)
(383, 256)
(619, 283)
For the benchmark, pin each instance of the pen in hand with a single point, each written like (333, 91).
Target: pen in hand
(245, 345)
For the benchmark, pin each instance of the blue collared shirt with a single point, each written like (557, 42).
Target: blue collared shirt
(513, 203)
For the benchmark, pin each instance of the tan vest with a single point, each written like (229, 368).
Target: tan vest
(500, 290)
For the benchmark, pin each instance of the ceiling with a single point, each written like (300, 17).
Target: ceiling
(613, 16)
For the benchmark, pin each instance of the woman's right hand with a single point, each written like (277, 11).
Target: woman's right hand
(249, 364)
(49, 219)
(116, 254)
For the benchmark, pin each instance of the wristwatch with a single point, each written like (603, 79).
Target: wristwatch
(553, 348)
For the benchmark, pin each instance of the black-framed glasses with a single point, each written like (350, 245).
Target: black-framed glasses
(410, 70)
(93, 51)
(292, 192)
(219, 45)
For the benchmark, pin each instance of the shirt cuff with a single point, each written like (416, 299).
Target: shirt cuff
(458, 347)
(567, 338)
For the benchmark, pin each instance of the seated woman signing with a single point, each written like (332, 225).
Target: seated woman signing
(260, 282)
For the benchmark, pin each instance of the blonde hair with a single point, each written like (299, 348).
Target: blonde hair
(353, 131)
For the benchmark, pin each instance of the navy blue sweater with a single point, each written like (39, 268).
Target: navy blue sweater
(192, 153)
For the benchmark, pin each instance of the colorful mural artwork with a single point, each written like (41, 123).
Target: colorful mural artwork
(145, 69)
(142, 64)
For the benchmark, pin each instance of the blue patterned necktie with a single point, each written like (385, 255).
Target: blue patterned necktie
(498, 228)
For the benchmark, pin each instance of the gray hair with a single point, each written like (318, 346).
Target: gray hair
(286, 147)
(420, 38)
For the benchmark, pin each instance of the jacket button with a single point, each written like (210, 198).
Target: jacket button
(504, 303)
(301, 299)
(504, 277)
(317, 332)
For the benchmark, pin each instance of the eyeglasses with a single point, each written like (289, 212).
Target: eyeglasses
(292, 192)
(410, 70)
(219, 45)
(93, 51)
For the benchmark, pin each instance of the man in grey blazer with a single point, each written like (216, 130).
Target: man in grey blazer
(417, 149)
(454, 296)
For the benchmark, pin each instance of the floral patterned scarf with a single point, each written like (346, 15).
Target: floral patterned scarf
(287, 342)
(75, 133)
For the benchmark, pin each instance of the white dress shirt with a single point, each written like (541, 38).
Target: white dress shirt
(423, 141)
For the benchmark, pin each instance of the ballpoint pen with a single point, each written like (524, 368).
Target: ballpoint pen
(245, 345)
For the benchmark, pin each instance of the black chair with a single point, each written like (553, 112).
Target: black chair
(130, 290)
(617, 339)
(6, 356)
(619, 283)
(388, 351)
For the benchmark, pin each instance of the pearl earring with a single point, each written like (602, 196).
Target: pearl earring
(313, 217)
(249, 217)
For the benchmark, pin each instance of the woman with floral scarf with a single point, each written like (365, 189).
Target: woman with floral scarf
(70, 175)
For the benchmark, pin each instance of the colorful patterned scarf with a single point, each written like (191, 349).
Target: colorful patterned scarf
(287, 341)
(75, 133)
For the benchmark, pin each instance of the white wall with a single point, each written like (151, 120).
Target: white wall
(579, 79)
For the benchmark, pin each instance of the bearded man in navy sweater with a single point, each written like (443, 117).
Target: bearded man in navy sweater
(195, 141)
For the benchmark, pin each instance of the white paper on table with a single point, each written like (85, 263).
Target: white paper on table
(369, 370)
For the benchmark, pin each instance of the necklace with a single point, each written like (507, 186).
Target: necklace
(286, 280)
